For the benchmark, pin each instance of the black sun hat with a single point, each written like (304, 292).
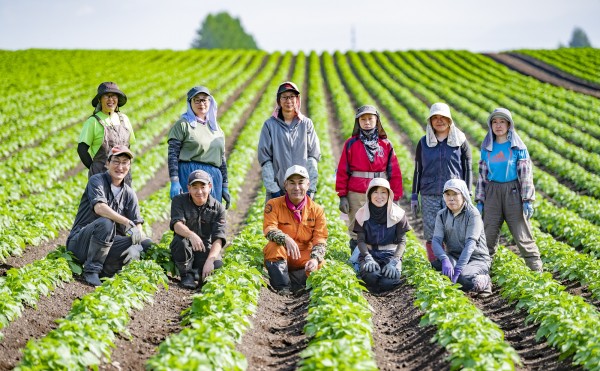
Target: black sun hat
(109, 87)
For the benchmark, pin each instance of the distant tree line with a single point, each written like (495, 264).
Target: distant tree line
(222, 31)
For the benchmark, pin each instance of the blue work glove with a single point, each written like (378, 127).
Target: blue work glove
(175, 189)
(132, 253)
(414, 204)
(527, 209)
(226, 197)
(456, 274)
(370, 264)
(392, 269)
(277, 194)
(480, 208)
(344, 205)
(447, 268)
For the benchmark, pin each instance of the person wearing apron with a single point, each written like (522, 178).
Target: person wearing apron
(106, 128)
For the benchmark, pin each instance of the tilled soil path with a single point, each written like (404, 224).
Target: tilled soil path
(544, 72)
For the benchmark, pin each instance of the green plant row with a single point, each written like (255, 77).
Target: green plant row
(219, 316)
(579, 62)
(247, 142)
(24, 286)
(83, 339)
(473, 340)
(339, 318)
(580, 106)
(566, 224)
(562, 136)
(567, 322)
(568, 263)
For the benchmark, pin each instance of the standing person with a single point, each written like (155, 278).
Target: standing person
(459, 227)
(381, 228)
(505, 187)
(196, 142)
(198, 223)
(443, 153)
(296, 229)
(107, 232)
(367, 154)
(106, 128)
(287, 138)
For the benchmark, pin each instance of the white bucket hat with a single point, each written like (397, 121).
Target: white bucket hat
(441, 109)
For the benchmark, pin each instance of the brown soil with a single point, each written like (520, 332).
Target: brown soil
(276, 339)
(544, 72)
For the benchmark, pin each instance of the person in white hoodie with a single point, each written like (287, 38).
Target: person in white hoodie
(381, 227)
(459, 227)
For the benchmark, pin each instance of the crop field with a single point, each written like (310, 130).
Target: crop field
(141, 319)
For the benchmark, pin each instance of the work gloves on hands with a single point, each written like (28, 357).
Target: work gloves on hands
(393, 269)
(344, 205)
(175, 189)
(527, 209)
(132, 253)
(414, 204)
(370, 264)
(135, 233)
(480, 208)
(226, 197)
(447, 268)
(456, 274)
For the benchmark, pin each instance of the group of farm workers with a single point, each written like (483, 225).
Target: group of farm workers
(461, 237)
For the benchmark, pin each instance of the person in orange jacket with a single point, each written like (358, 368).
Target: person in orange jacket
(297, 232)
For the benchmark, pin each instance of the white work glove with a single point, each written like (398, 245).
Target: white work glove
(370, 264)
(132, 253)
(135, 233)
(393, 269)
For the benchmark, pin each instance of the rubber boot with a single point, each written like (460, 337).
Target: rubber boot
(429, 249)
(186, 277)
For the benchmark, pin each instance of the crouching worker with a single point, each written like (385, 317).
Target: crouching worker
(380, 227)
(107, 232)
(297, 232)
(459, 227)
(198, 223)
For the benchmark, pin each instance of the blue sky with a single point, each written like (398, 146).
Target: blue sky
(300, 25)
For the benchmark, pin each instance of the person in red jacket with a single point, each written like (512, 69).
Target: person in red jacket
(367, 154)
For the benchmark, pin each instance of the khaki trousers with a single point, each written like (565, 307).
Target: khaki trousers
(503, 204)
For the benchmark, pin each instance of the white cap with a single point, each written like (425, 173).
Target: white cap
(296, 169)
(441, 109)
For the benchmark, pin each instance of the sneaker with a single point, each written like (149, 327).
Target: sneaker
(187, 281)
(92, 278)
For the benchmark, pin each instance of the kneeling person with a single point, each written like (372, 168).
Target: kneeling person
(459, 227)
(107, 232)
(198, 223)
(381, 227)
(297, 232)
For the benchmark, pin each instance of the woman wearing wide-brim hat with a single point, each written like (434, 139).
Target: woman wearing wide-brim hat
(196, 142)
(443, 153)
(106, 128)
